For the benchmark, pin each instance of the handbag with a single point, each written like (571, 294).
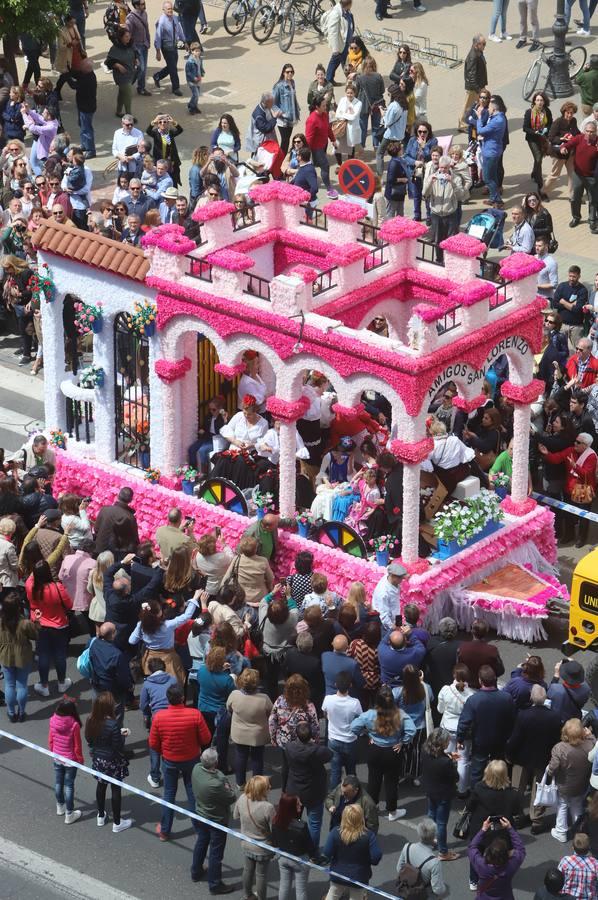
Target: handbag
(428, 714)
(546, 794)
(553, 244)
(462, 826)
(84, 666)
(339, 128)
(583, 493)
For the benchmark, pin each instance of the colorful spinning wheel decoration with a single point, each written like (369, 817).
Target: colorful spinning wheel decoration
(221, 492)
(342, 537)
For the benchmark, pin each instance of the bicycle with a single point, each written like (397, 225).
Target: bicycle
(576, 57)
(264, 19)
(299, 15)
(236, 13)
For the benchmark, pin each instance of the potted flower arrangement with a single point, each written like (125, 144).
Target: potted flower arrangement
(304, 522)
(143, 320)
(152, 475)
(58, 439)
(264, 503)
(41, 285)
(459, 525)
(88, 317)
(383, 547)
(91, 377)
(501, 484)
(188, 477)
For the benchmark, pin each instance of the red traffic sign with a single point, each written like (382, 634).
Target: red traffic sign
(356, 178)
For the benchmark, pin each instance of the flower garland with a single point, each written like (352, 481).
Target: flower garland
(152, 475)
(145, 314)
(278, 190)
(169, 370)
(522, 395)
(399, 229)
(344, 211)
(412, 452)
(468, 406)
(472, 292)
(229, 372)
(348, 412)
(513, 508)
(231, 260)
(345, 254)
(463, 245)
(41, 285)
(171, 238)
(287, 410)
(86, 314)
(210, 211)
(518, 266)
(58, 439)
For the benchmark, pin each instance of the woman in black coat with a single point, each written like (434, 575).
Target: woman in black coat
(163, 130)
(562, 129)
(537, 121)
(561, 435)
(439, 779)
(537, 216)
(493, 797)
(123, 62)
(486, 439)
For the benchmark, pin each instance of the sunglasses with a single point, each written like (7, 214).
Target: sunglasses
(299, 141)
(289, 71)
(422, 130)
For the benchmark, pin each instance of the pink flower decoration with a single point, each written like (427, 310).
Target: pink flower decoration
(469, 405)
(348, 412)
(287, 410)
(429, 313)
(344, 211)
(348, 253)
(417, 567)
(279, 190)
(472, 292)
(169, 370)
(412, 452)
(463, 245)
(229, 372)
(231, 260)
(518, 509)
(523, 395)
(520, 265)
(170, 238)
(214, 210)
(399, 229)
(305, 273)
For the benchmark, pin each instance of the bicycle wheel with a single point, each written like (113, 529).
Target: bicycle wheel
(287, 31)
(318, 12)
(531, 79)
(263, 22)
(577, 59)
(235, 16)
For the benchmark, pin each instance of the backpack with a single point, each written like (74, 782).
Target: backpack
(84, 666)
(410, 884)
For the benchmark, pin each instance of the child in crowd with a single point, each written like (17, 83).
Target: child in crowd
(194, 72)
(149, 176)
(411, 614)
(75, 173)
(64, 738)
(153, 698)
(320, 595)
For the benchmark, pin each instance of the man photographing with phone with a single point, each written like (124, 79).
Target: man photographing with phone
(175, 533)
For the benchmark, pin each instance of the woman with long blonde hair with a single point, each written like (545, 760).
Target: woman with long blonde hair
(420, 89)
(95, 586)
(388, 730)
(352, 850)
(181, 580)
(256, 813)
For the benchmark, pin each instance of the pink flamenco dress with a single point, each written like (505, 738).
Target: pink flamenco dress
(364, 507)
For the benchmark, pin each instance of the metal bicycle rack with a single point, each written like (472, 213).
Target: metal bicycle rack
(389, 39)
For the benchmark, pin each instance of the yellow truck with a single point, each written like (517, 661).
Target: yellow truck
(583, 615)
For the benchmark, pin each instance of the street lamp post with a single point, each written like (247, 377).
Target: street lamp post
(559, 83)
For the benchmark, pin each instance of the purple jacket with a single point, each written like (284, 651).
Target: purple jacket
(43, 131)
(495, 883)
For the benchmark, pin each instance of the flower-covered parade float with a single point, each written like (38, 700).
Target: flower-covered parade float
(181, 318)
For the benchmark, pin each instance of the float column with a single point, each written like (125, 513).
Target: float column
(287, 412)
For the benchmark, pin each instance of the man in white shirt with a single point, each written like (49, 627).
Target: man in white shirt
(340, 710)
(269, 445)
(593, 117)
(522, 238)
(386, 599)
(125, 137)
(548, 277)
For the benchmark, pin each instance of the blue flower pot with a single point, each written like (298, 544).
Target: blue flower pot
(501, 491)
(260, 513)
(150, 329)
(100, 380)
(97, 325)
(446, 549)
(187, 486)
(303, 529)
(382, 557)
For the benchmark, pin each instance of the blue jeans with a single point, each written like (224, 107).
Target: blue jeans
(244, 753)
(315, 814)
(171, 59)
(216, 841)
(490, 175)
(343, 755)
(64, 785)
(171, 771)
(320, 159)
(86, 132)
(15, 687)
(142, 69)
(415, 189)
(499, 11)
(193, 100)
(375, 116)
(586, 12)
(198, 453)
(335, 61)
(52, 645)
(155, 760)
(438, 811)
(35, 163)
(80, 21)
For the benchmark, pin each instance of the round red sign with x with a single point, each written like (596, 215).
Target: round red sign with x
(356, 178)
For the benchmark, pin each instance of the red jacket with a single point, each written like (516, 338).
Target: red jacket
(179, 733)
(589, 376)
(318, 131)
(586, 154)
(50, 606)
(584, 474)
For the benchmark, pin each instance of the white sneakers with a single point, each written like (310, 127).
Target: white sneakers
(558, 836)
(495, 38)
(122, 826)
(506, 37)
(41, 690)
(397, 814)
(582, 32)
(64, 685)
(101, 820)
(152, 783)
(60, 809)
(74, 816)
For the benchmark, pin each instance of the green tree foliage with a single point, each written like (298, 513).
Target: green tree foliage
(39, 18)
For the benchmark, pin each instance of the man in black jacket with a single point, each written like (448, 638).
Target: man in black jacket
(116, 526)
(475, 75)
(308, 778)
(122, 607)
(84, 82)
(537, 729)
(301, 660)
(441, 659)
(110, 668)
(487, 718)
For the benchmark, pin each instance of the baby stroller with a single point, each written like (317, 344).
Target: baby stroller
(488, 227)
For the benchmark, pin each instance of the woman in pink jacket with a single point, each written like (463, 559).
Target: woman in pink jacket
(64, 738)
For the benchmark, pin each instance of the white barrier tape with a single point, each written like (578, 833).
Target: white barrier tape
(567, 507)
(192, 815)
